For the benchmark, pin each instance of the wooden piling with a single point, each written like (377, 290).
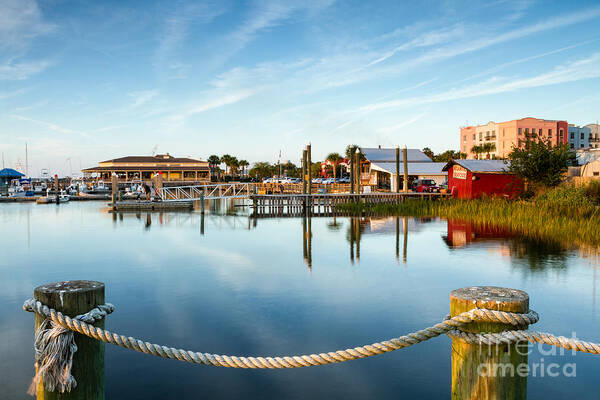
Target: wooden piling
(405, 162)
(488, 372)
(115, 187)
(73, 298)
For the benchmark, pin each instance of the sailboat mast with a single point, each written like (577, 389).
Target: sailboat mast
(26, 161)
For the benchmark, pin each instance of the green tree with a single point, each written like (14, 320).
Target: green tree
(488, 148)
(351, 151)
(334, 159)
(428, 152)
(315, 169)
(539, 162)
(261, 170)
(477, 150)
(243, 164)
(213, 162)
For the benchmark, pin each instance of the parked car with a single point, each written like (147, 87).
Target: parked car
(344, 180)
(317, 180)
(425, 186)
(328, 181)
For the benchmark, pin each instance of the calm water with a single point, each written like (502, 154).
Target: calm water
(233, 286)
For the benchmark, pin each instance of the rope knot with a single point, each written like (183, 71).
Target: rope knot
(55, 347)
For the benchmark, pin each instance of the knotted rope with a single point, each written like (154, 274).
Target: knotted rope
(449, 326)
(54, 350)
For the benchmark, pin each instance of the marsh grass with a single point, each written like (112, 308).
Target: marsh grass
(566, 214)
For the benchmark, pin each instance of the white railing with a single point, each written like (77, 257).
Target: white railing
(207, 192)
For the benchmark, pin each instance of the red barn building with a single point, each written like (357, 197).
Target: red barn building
(471, 179)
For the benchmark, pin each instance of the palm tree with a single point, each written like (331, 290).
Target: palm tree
(477, 149)
(351, 151)
(335, 159)
(488, 148)
(243, 164)
(213, 162)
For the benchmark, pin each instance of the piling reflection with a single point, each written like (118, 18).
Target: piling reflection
(526, 253)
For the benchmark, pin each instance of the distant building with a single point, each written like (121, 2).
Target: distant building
(594, 135)
(379, 167)
(143, 168)
(579, 137)
(509, 134)
(469, 179)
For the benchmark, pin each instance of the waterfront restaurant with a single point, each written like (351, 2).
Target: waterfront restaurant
(136, 168)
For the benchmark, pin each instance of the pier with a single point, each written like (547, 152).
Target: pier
(324, 204)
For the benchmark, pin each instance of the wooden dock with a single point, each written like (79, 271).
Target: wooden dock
(134, 205)
(317, 204)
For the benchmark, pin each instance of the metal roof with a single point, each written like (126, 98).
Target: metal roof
(414, 168)
(481, 165)
(10, 173)
(144, 168)
(161, 158)
(389, 155)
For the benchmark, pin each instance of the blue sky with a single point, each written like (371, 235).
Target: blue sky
(83, 81)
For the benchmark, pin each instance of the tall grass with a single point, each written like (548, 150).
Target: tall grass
(567, 214)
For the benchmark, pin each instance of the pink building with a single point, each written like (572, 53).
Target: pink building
(509, 134)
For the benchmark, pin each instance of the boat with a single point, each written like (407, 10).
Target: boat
(100, 187)
(21, 188)
(63, 197)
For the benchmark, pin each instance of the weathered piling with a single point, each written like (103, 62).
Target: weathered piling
(115, 187)
(488, 372)
(405, 162)
(74, 298)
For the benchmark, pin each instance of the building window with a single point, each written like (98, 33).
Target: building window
(582, 137)
(473, 137)
(550, 133)
(519, 131)
(572, 145)
(596, 173)
(464, 138)
(526, 131)
(502, 132)
(540, 131)
(581, 145)
(560, 133)
(480, 135)
(573, 135)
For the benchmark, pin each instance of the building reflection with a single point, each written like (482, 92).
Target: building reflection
(524, 251)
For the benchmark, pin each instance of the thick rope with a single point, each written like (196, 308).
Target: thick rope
(507, 337)
(517, 320)
(54, 350)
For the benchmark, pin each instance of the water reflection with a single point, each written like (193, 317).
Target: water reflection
(534, 255)
(264, 292)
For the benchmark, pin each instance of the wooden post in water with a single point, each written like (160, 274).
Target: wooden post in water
(397, 169)
(308, 165)
(352, 179)
(57, 189)
(405, 161)
(73, 298)
(304, 173)
(488, 372)
(115, 187)
(357, 170)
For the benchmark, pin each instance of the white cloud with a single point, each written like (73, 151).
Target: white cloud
(212, 102)
(50, 126)
(142, 97)
(20, 22)
(586, 68)
(175, 31)
(18, 71)
(388, 130)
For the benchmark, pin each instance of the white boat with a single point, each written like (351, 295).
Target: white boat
(63, 197)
